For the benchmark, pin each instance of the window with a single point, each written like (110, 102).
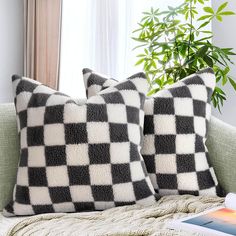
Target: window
(97, 34)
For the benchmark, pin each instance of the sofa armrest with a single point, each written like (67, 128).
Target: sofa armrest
(221, 143)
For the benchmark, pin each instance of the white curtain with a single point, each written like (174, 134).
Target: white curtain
(97, 34)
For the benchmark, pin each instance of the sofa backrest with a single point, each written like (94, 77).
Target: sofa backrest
(9, 152)
(221, 143)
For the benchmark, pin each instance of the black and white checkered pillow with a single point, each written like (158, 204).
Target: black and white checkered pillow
(175, 132)
(79, 157)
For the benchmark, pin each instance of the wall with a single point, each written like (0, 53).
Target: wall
(11, 45)
(225, 36)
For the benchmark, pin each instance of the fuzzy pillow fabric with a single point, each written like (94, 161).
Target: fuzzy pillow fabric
(175, 131)
(79, 157)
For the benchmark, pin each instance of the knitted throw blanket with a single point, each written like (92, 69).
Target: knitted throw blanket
(120, 221)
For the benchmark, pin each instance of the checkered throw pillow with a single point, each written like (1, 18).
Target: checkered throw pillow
(79, 157)
(175, 130)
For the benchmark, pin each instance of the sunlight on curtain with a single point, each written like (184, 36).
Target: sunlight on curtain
(97, 34)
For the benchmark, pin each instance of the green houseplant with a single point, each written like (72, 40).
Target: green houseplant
(173, 48)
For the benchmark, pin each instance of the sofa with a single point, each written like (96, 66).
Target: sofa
(128, 220)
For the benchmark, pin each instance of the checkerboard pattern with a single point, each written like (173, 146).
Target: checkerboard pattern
(175, 130)
(94, 82)
(79, 157)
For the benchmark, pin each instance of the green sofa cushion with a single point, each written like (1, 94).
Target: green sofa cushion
(9, 152)
(221, 143)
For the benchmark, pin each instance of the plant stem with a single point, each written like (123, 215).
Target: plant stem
(177, 49)
(191, 23)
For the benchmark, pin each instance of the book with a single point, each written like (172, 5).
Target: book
(219, 221)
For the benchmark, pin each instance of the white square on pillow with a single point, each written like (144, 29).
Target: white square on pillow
(114, 112)
(166, 163)
(209, 79)
(131, 98)
(23, 138)
(81, 193)
(95, 88)
(35, 116)
(96, 100)
(183, 106)
(208, 192)
(201, 163)
(57, 176)
(74, 113)
(121, 195)
(134, 133)
(100, 174)
(119, 152)
(141, 85)
(18, 124)
(43, 192)
(108, 90)
(23, 209)
(198, 92)
(185, 143)
(164, 124)
(144, 202)
(148, 147)
(187, 181)
(57, 99)
(200, 125)
(208, 111)
(100, 205)
(164, 192)
(149, 107)
(149, 183)
(21, 106)
(98, 132)
(54, 134)
(141, 117)
(153, 178)
(213, 174)
(22, 176)
(36, 156)
(77, 154)
(163, 93)
(64, 207)
(136, 171)
(44, 89)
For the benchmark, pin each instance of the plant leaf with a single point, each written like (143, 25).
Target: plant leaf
(227, 13)
(219, 18)
(202, 51)
(208, 10)
(208, 61)
(140, 40)
(153, 91)
(219, 90)
(203, 25)
(204, 17)
(224, 80)
(139, 61)
(222, 6)
(233, 83)
(226, 70)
